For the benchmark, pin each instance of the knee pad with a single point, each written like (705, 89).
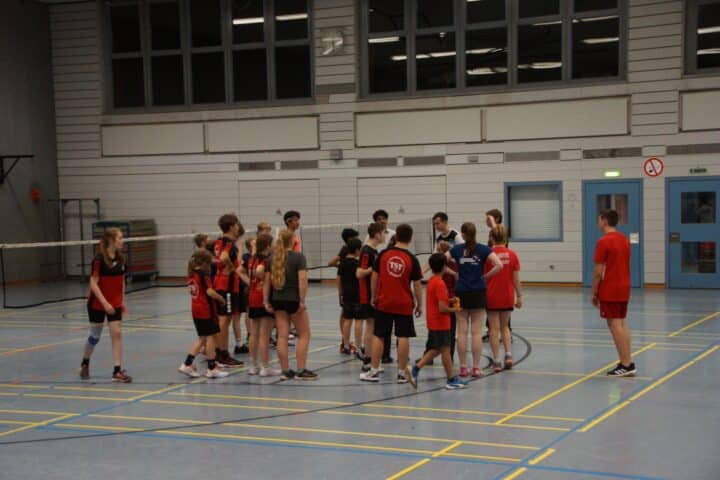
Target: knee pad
(95, 334)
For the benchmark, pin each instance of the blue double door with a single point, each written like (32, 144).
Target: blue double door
(626, 198)
(693, 232)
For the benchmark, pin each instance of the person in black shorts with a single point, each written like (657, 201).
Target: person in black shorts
(493, 218)
(368, 254)
(349, 292)
(347, 234)
(107, 300)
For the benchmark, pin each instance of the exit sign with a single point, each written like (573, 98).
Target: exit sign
(698, 170)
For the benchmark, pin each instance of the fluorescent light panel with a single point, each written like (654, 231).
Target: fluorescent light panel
(600, 40)
(279, 18)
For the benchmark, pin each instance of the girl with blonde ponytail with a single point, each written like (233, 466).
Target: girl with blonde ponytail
(284, 292)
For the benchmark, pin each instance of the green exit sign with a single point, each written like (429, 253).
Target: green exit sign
(698, 170)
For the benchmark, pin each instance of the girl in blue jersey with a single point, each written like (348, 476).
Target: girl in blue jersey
(470, 289)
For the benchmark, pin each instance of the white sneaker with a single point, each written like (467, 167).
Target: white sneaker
(381, 369)
(216, 373)
(254, 370)
(188, 370)
(270, 372)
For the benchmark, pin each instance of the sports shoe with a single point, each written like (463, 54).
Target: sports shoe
(497, 367)
(360, 355)
(455, 383)
(221, 364)
(463, 371)
(306, 375)
(270, 372)
(622, 371)
(241, 349)
(486, 337)
(345, 350)
(370, 376)
(476, 373)
(353, 348)
(402, 378)
(366, 367)
(387, 360)
(231, 362)
(508, 362)
(216, 373)
(287, 375)
(84, 372)
(254, 370)
(121, 377)
(381, 369)
(414, 373)
(188, 370)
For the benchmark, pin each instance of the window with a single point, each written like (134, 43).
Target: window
(534, 211)
(202, 52)
(702, 38)
(414, 46)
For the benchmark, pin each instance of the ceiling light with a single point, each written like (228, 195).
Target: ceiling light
(709, 51)
(540, 66)
(248, 21)
(384, 40)
(442, 54)
(704, 30)
(480, 51)
(600, 40)
(486, 71)
(544, 24)
(594, 19)
(292, 16)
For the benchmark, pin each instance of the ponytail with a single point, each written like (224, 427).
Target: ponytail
(108, 237)
(279, 258)
(469, 232)
(499, 236)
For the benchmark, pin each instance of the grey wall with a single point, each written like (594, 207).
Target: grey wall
(27, 126)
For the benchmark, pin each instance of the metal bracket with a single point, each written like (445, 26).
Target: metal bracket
(4, 173)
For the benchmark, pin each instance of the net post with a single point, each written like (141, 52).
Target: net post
(2, 276)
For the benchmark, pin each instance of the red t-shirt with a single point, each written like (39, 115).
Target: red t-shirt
(110, 281)
(500, 288)
(397, 269)
(226, 281)
(613, 250)
(201, 306)
(296, 243)
(367, 260)
(255, 297)
(437, 292)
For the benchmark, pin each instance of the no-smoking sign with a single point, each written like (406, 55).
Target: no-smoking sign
(653, 167)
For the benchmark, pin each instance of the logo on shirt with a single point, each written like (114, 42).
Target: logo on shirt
(194, 290)
(395, 267)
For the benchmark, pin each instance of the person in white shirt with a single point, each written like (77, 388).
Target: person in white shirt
(443, 232)
(382, 217)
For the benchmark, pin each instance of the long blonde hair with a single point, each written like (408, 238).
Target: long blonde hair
(108, 237)
(279, 258)
(499, 236)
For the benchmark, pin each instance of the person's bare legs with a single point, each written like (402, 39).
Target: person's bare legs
(463, 317)
(447, 361)
(376, 351)
(237, 328)
(476, 325)
(116, 338)
(95, 329)
(346, 326)
(621, 336)
(302, 325)
(403, 346)
(369, 335)
(506, 333)
(359, 333)
(282, 323)
(263, 342)
(222, 340)
(254, 340)
(494, 335)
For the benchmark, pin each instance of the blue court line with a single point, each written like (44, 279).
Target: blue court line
(358, 451)
(524, 462)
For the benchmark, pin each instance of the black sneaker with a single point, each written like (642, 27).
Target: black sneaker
(345, 350)
(360, 354)
(387, 360)
(84, 372)
(366, 367)
(241, 349)
(402, 378)
(486, 337)
(231, 362)
(288, 375)
(306, 374)
(622, 371)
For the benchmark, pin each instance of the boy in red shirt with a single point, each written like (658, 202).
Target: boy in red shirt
(395, 280)
(611, 288)
(503, 294)
(439, 308)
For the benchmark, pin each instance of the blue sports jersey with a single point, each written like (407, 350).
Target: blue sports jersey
(470, 268)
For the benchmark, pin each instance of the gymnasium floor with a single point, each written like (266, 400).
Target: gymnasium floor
(555, 416)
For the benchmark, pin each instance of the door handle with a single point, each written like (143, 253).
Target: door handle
(674, 237)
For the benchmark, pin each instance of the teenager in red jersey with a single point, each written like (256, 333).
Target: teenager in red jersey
(503, 295)
(229, 274)
(611, 288)
(368, 255)
(107, 301)
(396, 294)
(262, 320)
(203, 298)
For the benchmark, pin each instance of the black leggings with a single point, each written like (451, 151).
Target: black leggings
(453, 328)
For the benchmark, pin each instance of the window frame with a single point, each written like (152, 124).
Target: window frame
(187, 50)
(511, 23)
(690, 53)
(508, 211)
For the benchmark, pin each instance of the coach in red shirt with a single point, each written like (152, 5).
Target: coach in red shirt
(611, 288)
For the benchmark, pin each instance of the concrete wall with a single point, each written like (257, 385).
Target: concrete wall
(608, 126)
(27, 126)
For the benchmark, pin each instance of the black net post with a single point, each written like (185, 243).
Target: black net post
(2, 276)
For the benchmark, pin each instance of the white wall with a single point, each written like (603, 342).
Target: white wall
(189, 191)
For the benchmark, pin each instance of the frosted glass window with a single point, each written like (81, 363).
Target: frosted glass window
(535, 212)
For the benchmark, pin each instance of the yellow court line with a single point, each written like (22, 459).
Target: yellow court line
(424, 461)
(534, 461)
(565, 388)
(694, 324)
(446, 420)
(647, 389)
(98, 389)
(39, 347)
(21, 385)
(37, 412)
(223, 405)
(269, 399)
(316, 430)
(38, 424)
(73, 397)
(14, 422)
(561, 374)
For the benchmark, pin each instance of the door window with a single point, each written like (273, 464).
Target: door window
(697, 207)
(615, 201)
(699, 257)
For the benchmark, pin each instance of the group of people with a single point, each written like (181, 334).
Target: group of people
(379, 286)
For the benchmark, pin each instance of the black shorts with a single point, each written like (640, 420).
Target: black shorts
(98, 316)
(439, 338)
(206, 327)
(509, 309)
(256, 313)
(234, 303)
(285, 306)
(472, 300)
(357, 312)
(404, 325)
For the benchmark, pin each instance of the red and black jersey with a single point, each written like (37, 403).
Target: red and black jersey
(111, 280)
(226, 281)
(255, 297)
(201, 306)
(367, 259)
(397, 268)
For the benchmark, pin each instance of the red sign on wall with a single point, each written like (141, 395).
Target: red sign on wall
(653, 167)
